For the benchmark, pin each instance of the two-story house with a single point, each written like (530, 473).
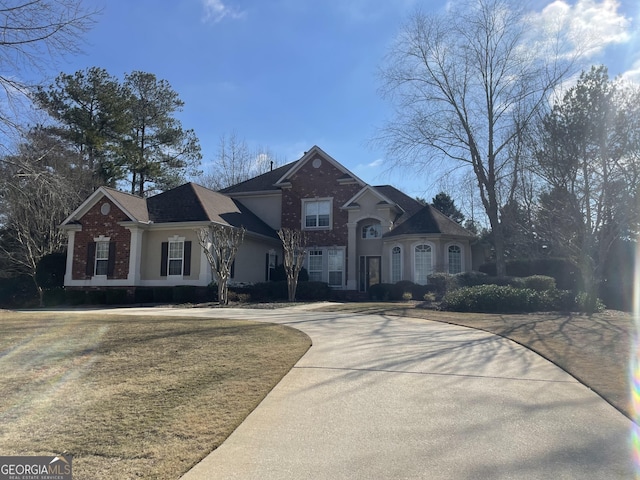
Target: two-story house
(357, 234)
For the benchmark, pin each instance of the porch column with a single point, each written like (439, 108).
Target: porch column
(352, 257)
(135, 255)
(68, 274)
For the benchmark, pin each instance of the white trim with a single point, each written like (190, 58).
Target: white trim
(446, 255)
(68, 274)
(135, 254)
(397, 245)
(303, 220)
(101, 241)
(369, 188)
(90, 202)
(175, 239)
(102, 281)
(325, 263)
(314, 152)
(413, 257)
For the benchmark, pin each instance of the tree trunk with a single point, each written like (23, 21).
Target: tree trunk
(40, 291)
(498, 242)
(223, 297)
(292, 285)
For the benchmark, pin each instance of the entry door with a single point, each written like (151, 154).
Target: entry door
(370, 272)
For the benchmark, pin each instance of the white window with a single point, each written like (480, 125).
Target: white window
(176, 254)
(396, 264)
(102, 258)
(317, 214)
(336, 267)
(371, 231)
(315, 265)
(455, 259)
(423, 263)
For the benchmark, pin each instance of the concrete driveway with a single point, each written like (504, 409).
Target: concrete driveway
(395, 398)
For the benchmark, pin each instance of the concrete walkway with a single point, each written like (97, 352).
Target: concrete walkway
(394, 398)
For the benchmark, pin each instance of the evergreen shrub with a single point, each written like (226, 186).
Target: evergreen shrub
(540, 283)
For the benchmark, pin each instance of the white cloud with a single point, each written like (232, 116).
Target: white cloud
(588, 26)
(633, 74)
(375, 163)
(216, 10)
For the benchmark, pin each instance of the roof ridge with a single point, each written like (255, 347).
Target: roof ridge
(289, 165)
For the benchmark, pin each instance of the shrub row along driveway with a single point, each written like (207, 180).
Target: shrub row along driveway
(393, 397)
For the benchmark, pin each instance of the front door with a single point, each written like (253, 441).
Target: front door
(370, 272)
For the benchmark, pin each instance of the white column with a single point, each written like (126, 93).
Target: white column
(352, 279)
(68, 274)
(135, 255)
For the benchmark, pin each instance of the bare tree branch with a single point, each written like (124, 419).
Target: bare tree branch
(220, 245)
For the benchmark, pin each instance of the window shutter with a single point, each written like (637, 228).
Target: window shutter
(111, 262)
(266, 268)
(186, 269)
(164, 258)
(91, 259)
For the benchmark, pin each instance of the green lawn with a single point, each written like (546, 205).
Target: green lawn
(133, 397)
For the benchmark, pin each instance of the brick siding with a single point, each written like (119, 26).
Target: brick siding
(311, 182)
(94, 224)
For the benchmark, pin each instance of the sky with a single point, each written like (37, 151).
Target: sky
(290, 74)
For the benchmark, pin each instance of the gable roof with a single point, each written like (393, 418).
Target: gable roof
(134, 207)
(418, 218)
(187, 203)
(353, 201)
(312, 154)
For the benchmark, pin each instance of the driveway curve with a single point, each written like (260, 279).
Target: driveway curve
(380, 397)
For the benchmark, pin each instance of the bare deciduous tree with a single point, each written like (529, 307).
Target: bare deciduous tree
(33, 34)
(220, 245)
(237, 162)
(34, 199)
(466, 84)
(293, 244)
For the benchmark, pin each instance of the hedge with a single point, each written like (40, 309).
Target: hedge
(508, 299)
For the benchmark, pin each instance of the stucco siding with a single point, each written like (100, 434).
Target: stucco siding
(267, 207)
(251, 261)
(152, 248)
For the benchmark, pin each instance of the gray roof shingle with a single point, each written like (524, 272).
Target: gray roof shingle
(261, 183)
(418, 218)
(194, 203)
(134, 205)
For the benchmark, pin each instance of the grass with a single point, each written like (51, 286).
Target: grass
(148, 397)
(133, 397)
(595, 349)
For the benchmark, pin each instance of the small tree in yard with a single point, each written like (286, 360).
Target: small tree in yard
(293, 244)
(220, 244)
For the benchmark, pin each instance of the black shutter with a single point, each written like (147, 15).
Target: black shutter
(186, 270)
(111, 261)
(91, 259)
(164, 258)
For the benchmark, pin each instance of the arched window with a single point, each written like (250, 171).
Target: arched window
(396, 264)
(455, 259)
(371, 231)
(423, 264)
